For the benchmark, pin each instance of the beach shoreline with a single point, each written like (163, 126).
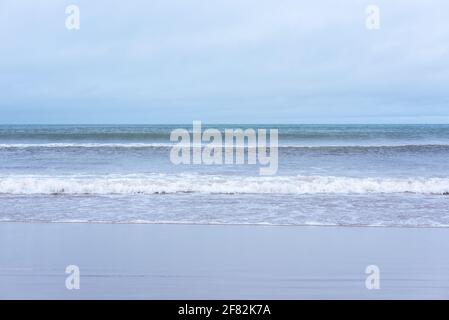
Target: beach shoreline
(193, 261)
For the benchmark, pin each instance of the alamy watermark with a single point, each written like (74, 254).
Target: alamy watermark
(72, 282)
(372, 281)
(72, 20)
(372, 21)
(233, 146)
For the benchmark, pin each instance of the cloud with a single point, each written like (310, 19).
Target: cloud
(224, 61)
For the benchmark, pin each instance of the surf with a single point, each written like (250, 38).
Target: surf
(146, 184)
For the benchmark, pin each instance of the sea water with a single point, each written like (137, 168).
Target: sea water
(348, 175)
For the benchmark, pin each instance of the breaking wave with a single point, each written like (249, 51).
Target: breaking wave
(218, 184)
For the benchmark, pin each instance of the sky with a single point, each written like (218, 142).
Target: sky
(224, 61)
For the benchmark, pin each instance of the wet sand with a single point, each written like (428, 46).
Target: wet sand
(145, 261)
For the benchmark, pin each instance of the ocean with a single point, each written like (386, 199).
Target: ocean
(328, 175)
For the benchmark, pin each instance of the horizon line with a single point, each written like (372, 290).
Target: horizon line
(218, 123)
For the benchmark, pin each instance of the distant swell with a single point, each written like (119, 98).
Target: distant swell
(59, 145)
(283, 146)
(192, 183)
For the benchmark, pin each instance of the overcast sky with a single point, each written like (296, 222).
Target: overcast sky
(224, 61)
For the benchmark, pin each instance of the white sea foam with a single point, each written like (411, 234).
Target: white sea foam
(193, 183)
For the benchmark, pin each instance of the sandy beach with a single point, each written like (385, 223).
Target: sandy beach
(157, 261)
(224, 150)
